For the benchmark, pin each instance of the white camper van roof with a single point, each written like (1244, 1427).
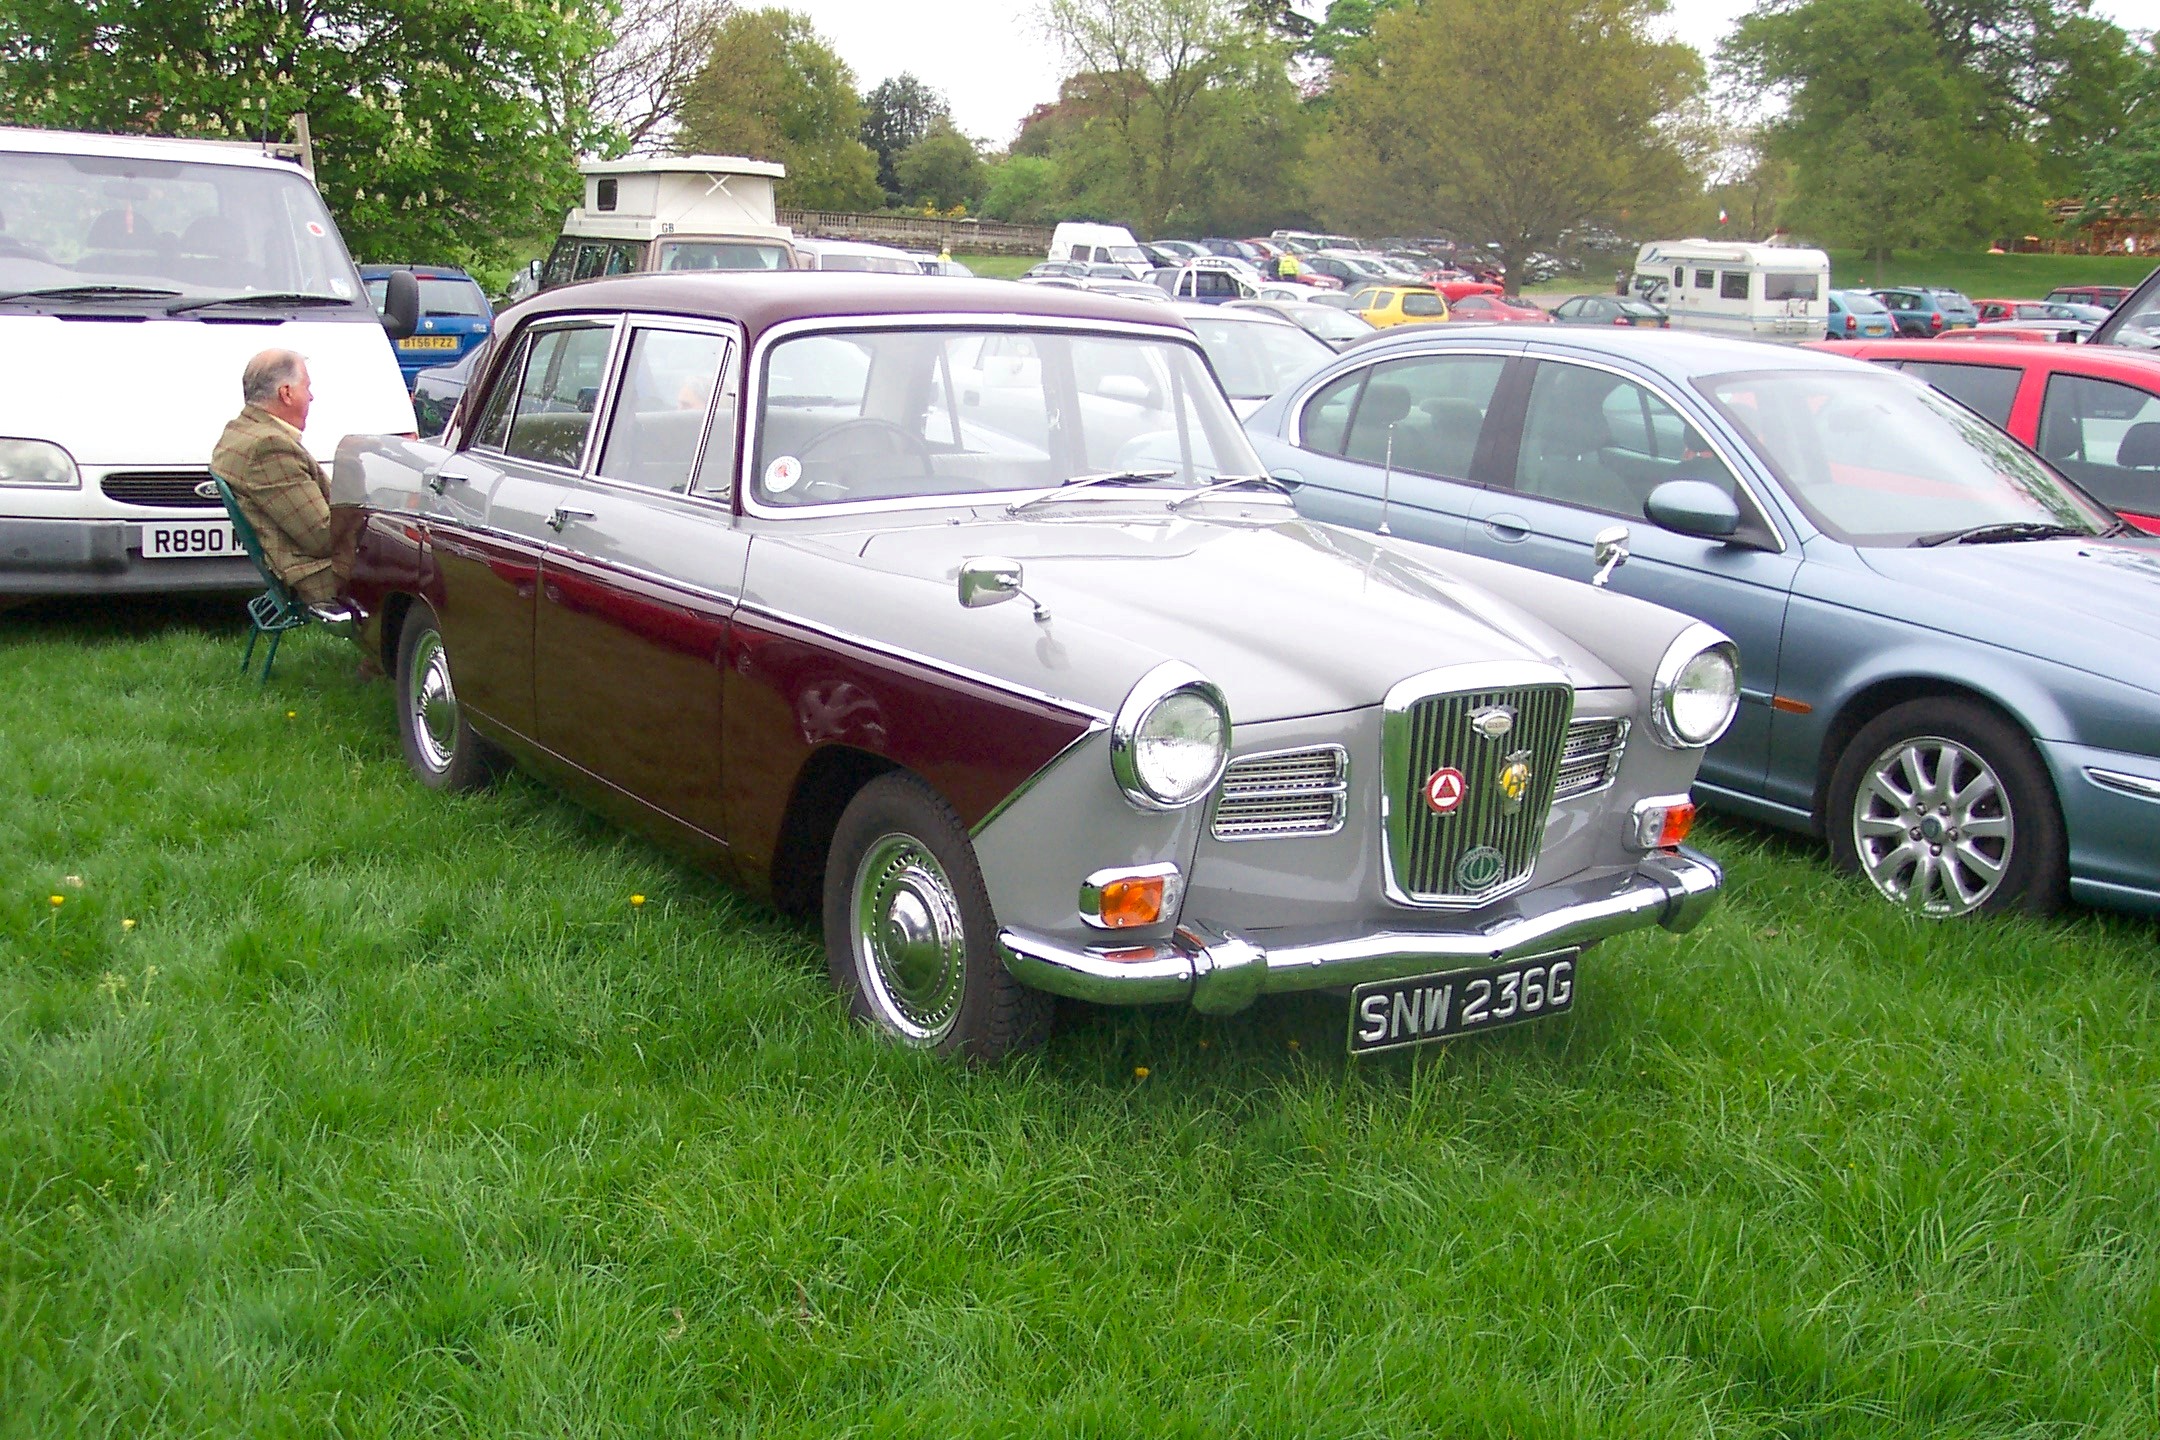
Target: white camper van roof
(684, 165)
(644, 197)
(1732, 252)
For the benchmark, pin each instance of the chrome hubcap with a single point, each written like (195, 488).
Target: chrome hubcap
(1933, 826)
(434, 704)
(910, 945)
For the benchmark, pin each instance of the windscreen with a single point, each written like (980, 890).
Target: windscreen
(1877, 459)
(175, 227)
(919, 413)
(2136, 323)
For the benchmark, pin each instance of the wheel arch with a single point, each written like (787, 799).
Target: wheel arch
(827, 781)
(1885, 693)
(395, 607)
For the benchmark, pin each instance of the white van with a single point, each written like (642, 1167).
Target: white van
(855, 255)
(1087, 243)
(672, 212)
(1755, 292)
(137, 277)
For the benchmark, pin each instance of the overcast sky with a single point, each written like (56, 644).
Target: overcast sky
(993, 66)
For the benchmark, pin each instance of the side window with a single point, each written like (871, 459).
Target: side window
(1326, 419)
(1430, 410)
(1594, 439)
(555, 397)
(622, 258)
(1417, 302)
(1988, 389)
(1568, 309)
(1677, 272)
(1704, 279)
(562, 263)
(667, 390)
(2106, 437)
(591, 259)
(494, 426)
(1367, 299)
(1733, 285)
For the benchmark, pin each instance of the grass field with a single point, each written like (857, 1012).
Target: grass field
(330, 1106)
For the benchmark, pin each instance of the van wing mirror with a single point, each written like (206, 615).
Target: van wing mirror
(401, 304)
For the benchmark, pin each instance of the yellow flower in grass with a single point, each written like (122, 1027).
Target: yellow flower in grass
(1139, 1072)
(57, 900)
(637, 899)
(127, 924)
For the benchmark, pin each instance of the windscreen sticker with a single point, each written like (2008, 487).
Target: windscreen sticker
(314, 227)
(341, 288)
(781, 475)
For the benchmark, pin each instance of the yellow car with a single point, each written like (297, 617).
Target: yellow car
(1398, 304)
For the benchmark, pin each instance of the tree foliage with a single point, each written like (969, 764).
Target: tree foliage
(772, 89)
(444, 129)
(2122, 172)
(941, 169)
(897, 114)
(1021, 188)
(1571, 117)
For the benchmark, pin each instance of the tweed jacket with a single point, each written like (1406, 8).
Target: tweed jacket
(281, 490)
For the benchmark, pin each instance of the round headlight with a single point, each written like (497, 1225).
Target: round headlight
(1697, 690)
(36, 462)
(1170, 738)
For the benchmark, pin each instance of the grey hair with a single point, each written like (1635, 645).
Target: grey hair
(259, 382)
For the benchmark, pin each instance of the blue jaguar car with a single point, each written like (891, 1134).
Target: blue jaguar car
(1948, 667)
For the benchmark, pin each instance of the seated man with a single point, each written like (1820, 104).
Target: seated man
(281, 489)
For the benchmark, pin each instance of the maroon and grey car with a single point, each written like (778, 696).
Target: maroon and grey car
(963, 615)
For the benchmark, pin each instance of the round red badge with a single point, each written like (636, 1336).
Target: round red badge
(1444, 791)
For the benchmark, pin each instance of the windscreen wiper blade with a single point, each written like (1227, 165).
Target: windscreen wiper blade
(1232, 482)
(89, 292)
(263, 297)
(1083, 482)
(2005, 530)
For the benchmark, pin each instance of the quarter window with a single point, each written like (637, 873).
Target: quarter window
(667, 389)
(1424, 413)
(557, 393)
(1704, 279)
(1988, 389)
(1732, 285)
(2105, 436)
(1594, 439)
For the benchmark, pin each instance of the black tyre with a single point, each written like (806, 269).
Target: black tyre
(1946, 809)
(439, 744)
(909, 936)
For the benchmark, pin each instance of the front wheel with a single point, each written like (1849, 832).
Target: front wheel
(439, 743)
(1946, 809)
(910, 939)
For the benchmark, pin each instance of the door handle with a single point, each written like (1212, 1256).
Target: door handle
(1511, 529)
(564, 514)
(437, 480)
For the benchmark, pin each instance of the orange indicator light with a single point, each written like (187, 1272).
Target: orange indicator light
(1135, 900)
(1679, 819)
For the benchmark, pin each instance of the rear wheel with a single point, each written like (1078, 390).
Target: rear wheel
(1946, 809)
(439, 743)
(910, 939)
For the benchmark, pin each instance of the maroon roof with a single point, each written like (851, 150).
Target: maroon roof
(759, 300)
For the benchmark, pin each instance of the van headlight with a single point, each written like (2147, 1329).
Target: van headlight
(37, 462)
(1170, 739)
(1697, 689)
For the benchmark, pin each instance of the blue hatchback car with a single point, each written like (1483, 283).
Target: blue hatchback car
(454, 315)
(1946, 648)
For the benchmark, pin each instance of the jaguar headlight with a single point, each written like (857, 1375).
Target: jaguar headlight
(36, 462)
(1170, 739)
(1697, 689)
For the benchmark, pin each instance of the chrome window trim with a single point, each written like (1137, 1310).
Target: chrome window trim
(1338, 789)
(753, 393)
(1369, 363)
(529, 336)
(619, 360)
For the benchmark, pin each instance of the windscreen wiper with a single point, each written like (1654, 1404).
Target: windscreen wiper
(265, 297)
(1083, 482)
(2005, 530)
(88, 292)
(1232, 482)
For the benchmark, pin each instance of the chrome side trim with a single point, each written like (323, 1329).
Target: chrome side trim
(2142, 786)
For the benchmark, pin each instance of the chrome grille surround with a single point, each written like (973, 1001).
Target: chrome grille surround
(1425, 725)
(1590, 760)
(1282, 794)
(170, 489)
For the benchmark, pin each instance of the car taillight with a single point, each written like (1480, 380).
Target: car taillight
(1622, 320)
(1935, 321)
(1852, 323)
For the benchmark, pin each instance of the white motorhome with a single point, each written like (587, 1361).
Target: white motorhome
(137, 277)
(1087, 243)
(672, 212)
(1755, 292)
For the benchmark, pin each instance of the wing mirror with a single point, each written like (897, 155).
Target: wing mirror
(401, 304)
(992, 580)
(1693, 507)
(1608, 551)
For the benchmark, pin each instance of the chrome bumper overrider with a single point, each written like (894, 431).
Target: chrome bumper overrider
(1220, 971)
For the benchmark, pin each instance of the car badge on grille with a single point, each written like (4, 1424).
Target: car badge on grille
(207, 489)
(1444, 790)
(1514, 781)
(1479, 869)
(1493, 721)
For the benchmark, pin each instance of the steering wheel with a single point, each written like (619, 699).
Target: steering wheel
(870, 439)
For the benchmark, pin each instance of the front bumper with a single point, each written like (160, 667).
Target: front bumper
(103, 557)
(1220, 971)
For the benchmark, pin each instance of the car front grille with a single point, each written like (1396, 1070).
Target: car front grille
(167, 488)
(1590, 759)
(1285, 793)
(1486, 842)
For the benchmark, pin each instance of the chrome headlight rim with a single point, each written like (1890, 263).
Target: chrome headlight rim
(1689, 645)
(1172, 677)
(16, 449)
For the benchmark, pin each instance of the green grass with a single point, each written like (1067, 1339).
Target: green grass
(999, 267)
(390, 1115)
(1982, 276)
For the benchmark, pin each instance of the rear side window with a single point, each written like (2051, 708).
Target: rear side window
(2105, 436)
(1416, 302)
(1326, 420)
(1733, 285)
(667, 388)
(1426, 413)
(557, 394)
(1987, 389)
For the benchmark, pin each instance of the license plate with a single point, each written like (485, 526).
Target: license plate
(428, 342)
(1390, 1014)
(188, 540)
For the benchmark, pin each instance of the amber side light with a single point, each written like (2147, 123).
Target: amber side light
(1679, 819)
(1130, 902)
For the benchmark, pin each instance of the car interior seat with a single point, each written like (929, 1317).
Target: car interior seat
(1381, 406)
(2140, 447)
(1563, 449)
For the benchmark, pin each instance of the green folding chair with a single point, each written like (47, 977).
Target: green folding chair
(274, 611)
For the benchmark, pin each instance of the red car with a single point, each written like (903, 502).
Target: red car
(2093, 412)
(1498, 309)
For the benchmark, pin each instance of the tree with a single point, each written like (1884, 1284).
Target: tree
(2122, 172)
(640, 81)
(941, 169)
(772, 90)
(1572, 116)
(445, 130)
(896, 114)
(1021, 188)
